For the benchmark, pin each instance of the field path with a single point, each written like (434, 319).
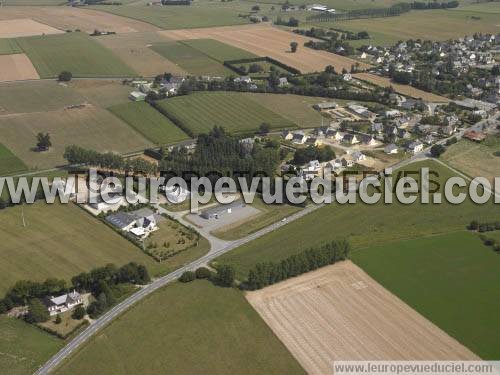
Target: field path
(340, 313)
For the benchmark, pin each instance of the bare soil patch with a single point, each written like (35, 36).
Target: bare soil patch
(70, 18)
(265, 40)
(402, 89)
(134, 49)
(16, 67)
(17, 28)
(340, 313)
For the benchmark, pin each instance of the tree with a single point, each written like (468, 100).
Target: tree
(65, 76)
(37, 312)
(256, 8)
(294, 46)
(187, 277)
(58, 319)
(203, 273)
(78, 313)
(437, 150)
(43, 141)
(264, 128)
(225, 275)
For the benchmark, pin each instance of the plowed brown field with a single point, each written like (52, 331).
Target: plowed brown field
(340, 313)
(17, 28)
(70, 18)
(16, 68)
(265, 40)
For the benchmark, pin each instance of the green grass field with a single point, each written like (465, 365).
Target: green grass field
(34, 2)
(451, 279)
(428, 24)
(363, 225)
(186, 329)
(9, 46)
(24, 347)
(199, 14)
(90, 127)
(200, 112)
(74, 52)
(39, 96)
(191, 59)
(9, 163)
(149, 122)
(475, 159)
(62, 240)
(217, 50)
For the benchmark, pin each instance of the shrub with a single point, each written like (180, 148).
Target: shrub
(474, 225)
(187, 277)
(65, 76)
(203, 273)
(225, 275)
(58, 319)
(78, 313)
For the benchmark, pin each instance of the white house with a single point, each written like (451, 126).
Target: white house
(60, 304)
(350, 139)
(358, 156)
(299, 138)
(176, 194)
(415, 147)
(391, 149)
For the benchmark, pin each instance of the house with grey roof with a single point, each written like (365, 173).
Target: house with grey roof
(65, 302)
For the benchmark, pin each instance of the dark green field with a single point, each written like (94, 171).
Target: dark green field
(75, 52)
(9, 46)
(451, 279)
(190, 328)
(200, 112)
(149, 122)
(191, 59)
(363, 225)
(23, 347)
(9, 163)
(217, 50)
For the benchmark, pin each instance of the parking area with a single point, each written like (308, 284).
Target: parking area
(223, 217)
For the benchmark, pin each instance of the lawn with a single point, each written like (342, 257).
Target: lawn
(363, 225)
(90, 127)
(9, 46)
(24, 347)
(75, 52)
(191, 59)
(450, 279)
(200, 112)
(9, 163)
(429, 24)
(199, 14)
(217, 50)
(475, 159)
(149, 122)
(185, 329)
(62, 240)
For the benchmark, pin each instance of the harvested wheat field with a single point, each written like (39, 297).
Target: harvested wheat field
(265, 40)
(134, 49)
(16, 68)
(402, 89)
(70, 18)
(17, 28)
(340, 313)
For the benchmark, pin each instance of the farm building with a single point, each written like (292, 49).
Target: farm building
(137, 96)
(217, 211)
(325, 105)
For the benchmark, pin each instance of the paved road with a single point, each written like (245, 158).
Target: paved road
(101, 322)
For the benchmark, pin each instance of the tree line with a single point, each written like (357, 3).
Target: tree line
(305, 155)
(264, 274)
(78, 155)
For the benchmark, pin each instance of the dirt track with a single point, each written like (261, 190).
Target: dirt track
(340, 313)
(17, 28)
(16, 68)
(265, 40)
(70, 18)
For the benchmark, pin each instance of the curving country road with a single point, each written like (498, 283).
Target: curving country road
(102, 321)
